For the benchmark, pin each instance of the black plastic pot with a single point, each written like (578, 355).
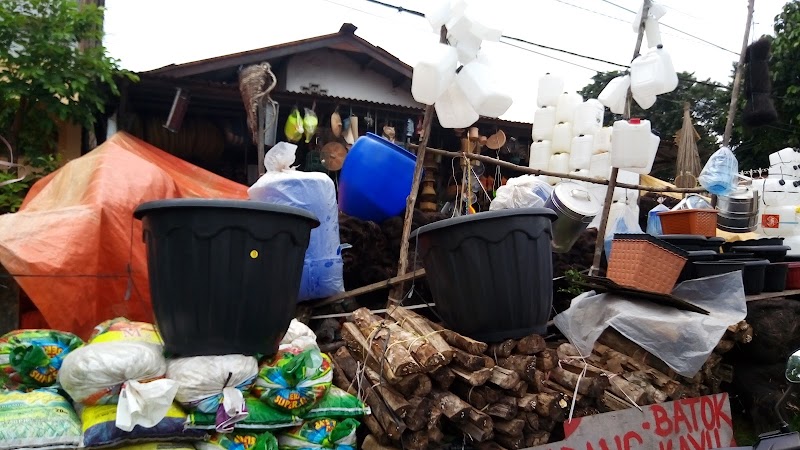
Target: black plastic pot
(774, 253)
(224, 274)
(753, 274)
(775, 277)
(727, 246)
(693, 242)
(726, 256)
(491, 273)
(709, 268)
(689, 272)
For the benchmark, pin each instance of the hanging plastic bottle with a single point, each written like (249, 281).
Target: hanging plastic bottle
(668, 78)
(630, 142)
(433, 73)
(615, 94)
(454, 110)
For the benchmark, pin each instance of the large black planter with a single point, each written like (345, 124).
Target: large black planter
(491, 273)
(224, 274)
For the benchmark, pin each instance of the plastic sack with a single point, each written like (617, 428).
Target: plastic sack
(298, 336)
(626, 223)
(122, 329)
(526, 191)
(653, 221)
(94, 374)
(314, 192)
(720, 175)
(682, 339)
(30, 359)
(321, 433)
(240, 441)
(214, 384)
(310, 122)
(337, 404)
(100, 429)
(144, 404)
(294, 126)
(40, 418)
(294, 380)
(260, 417)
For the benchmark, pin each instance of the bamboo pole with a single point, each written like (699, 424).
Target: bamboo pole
(402, 265)
(737, 79)
(612, 180)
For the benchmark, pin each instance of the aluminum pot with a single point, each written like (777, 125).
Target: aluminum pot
(742, 202)
(737, 223)
(575, 207)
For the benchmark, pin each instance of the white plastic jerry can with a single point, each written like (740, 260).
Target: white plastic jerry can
(559, 163)
(565, 109)
(602, 140)
(484, 93)
(581, 152)
(454, 110)
(600, 166)
(544, 120)
(652, 151)
(778, 221)
(433, 73)
(787, 155)
(550, 88)
(669, 77)
(540, 155)
(630, 144)
(562, 138)
(588, 117)
(615, 93)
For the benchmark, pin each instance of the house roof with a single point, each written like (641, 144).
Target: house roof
(225, 67)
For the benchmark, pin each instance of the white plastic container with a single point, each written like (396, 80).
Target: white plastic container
(645, 101)
(600, 166)
(565, 109)
(581, 152)
(544, 120)
(588, 117)
(653, 150)
(778, 221)
(652, 32)
(459, 26)
(550, 88)
(467, 48)
(669, 80)
(559, 163)
(614, 94)
(439, 12)
(778, 191)
(646, 75)
(562, 138)
(485, 24)
(630, 144)
(602, 140)
(622, 194)
(484, 93)
(434, 73)
(783, 156)
(539, 158)
(454, 110)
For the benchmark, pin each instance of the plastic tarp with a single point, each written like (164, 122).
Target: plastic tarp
(74, 246)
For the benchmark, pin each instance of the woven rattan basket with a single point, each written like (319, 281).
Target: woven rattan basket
(702, 222)
(641, 261)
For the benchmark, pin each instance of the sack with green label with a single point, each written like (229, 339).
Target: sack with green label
(240, 440)
(294, 380)
(30, 359)
(40, 418)
(321, 433)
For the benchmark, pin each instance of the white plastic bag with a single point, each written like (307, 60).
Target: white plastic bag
(526, 191)
(144, 404)
(626, 223)
(653, 221)
(298, 336)
(315, 193)
(720, 174)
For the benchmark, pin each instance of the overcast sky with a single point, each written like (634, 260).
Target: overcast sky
(146, 34)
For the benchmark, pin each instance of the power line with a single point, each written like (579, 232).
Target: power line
(549, 56)
(593, 11)
(675, 29)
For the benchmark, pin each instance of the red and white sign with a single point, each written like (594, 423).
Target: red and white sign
(690, 424)
(770, 220)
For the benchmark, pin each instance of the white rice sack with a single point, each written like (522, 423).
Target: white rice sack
(94, 374)
(299, 336)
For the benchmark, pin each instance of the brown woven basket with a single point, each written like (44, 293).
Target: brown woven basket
(702, 222)
(644, 265)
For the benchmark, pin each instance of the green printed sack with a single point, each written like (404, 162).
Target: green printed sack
(240, 441)
(30, 359)
(321, 433)
(337, 404)
(40, 418)
(260, 416)
(294, 380)
(100, 428)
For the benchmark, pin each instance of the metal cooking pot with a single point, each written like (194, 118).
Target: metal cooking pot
(575, 207)
(737, 223)
(743, 202)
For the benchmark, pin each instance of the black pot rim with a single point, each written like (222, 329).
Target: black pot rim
(251, 205)
(759, 248)
(485, 215)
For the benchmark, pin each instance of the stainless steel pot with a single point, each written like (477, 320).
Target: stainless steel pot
(575, 207)
(737, 223)
(740, 203)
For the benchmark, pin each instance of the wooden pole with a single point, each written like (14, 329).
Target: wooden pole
(261, 114)
(402, 265)
(737, 79)
(612, 180)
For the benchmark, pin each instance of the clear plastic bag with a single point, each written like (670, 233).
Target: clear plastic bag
(294, 126)
(310, 122)
(720, 174)
(526, 191)
(626, 223)
(653, 221)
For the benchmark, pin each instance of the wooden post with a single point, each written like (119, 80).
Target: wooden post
(261, 114)
(9, 302)
(612, 180)
(402, 265)
(737, 79)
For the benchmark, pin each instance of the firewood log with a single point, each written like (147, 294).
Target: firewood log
(341, 381)
(490, 445)
(506, 409)
(478, 426)
(610, 402)
(474, 378)
(414, 385)
(417, 417)
(519, 389)
(387, 336)
(468, 360)
(590, 384)
(724, 346)
(552, 406)
(531, 421)
(546, 360)
(451, 406)
(469, 394)
(527, 402)
(666, 383)
(620, 343)
(536, 438)
(371, 442)
(435, 435)
(509, 427)
(415, 440)
(443, 377)
(393, 399)
(654, 395)
(361, 350)
(393, 426)
(456, 340)
(547, 424)
(410, 320)
(505, 378)
(509, 441)
(502, 349)
(568, 394)
(488, 361)
(530, 345)
(525, 366)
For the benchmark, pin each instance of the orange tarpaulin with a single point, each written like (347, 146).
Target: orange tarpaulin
(74, 246)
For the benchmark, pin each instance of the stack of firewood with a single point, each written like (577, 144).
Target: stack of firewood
(424, 382)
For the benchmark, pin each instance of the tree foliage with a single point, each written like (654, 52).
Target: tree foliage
(48, 73)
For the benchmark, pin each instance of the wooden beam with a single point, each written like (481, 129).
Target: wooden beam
(370, 288)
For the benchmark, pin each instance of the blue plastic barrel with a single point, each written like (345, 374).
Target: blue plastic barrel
(375, 179)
